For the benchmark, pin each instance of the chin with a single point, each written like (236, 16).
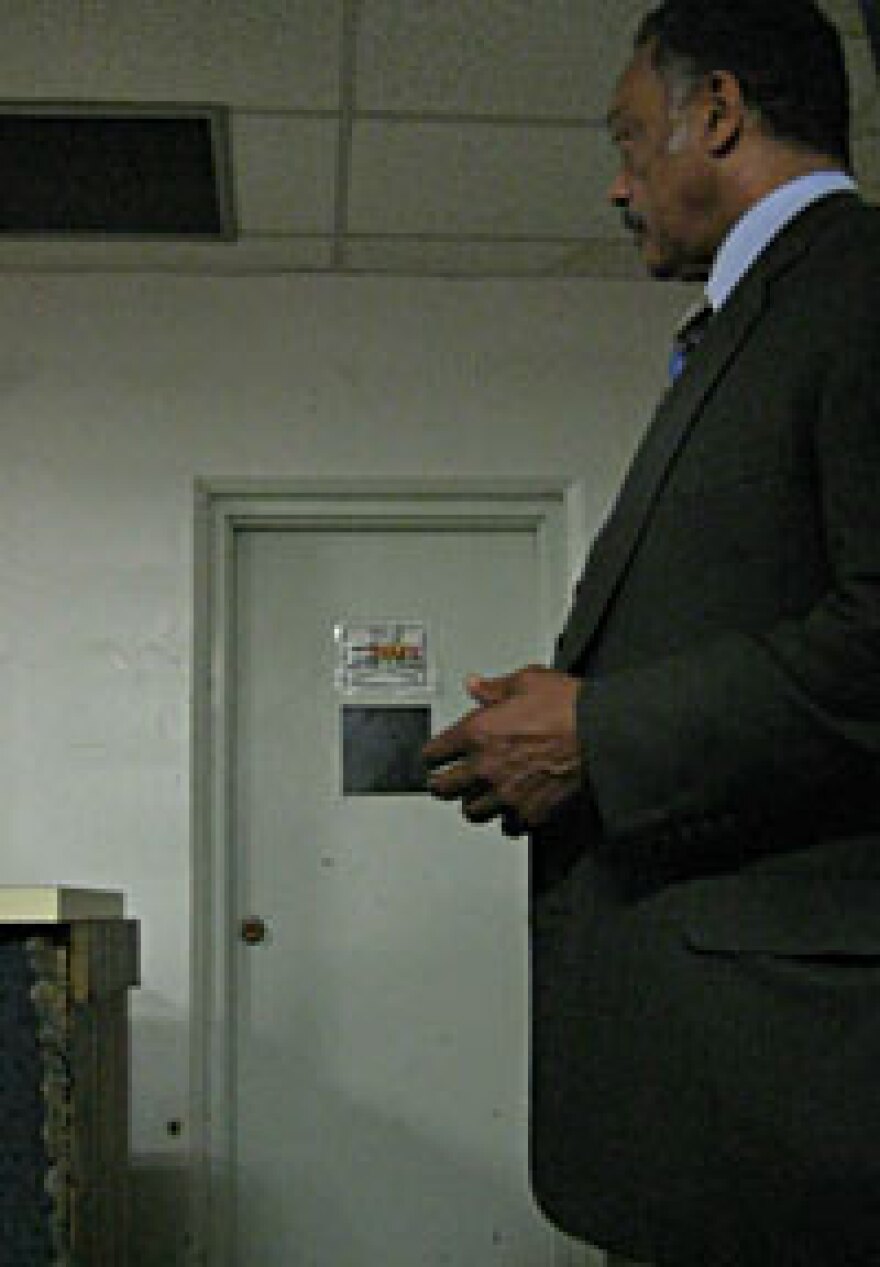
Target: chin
(662, 270)
(657, 264)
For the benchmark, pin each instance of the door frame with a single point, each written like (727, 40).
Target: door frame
(554, 511)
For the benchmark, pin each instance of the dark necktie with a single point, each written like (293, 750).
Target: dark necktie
(690, 331)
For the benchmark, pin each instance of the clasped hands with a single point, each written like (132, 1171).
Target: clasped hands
(516, 754)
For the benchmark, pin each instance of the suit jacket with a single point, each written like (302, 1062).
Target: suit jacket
(706, 920)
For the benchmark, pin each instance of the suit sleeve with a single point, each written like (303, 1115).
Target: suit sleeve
(774, 721)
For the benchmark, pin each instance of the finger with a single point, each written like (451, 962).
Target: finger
(448, 745)
(486, 690)
(455, 781)
(481, 806)
(511, 824)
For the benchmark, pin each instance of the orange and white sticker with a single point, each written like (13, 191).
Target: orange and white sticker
(388, 655)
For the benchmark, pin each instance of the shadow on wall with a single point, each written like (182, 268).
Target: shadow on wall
(368, 1187)
(158, 1199)
(404, 1193)
(158, 1212)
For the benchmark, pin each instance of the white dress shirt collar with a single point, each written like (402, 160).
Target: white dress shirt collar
(752, 234)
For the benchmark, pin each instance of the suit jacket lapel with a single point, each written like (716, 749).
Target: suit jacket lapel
(675, 416)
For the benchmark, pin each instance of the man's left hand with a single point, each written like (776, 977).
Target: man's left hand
(517, 752)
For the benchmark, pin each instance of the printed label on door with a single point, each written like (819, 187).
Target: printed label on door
(388, 655)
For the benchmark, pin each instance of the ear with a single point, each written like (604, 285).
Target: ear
(724, 112)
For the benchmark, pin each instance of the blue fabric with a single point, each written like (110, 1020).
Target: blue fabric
(676, 362)
(688, 335)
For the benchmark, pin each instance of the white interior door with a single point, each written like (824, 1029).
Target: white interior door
(380, 1026)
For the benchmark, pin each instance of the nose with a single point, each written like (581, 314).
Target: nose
(619, 191)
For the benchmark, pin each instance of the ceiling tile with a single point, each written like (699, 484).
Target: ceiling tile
(480, 180)
(267, 256)
(604, 257)
(284, 171)
(557, 58)
(273, 54)
(467, 258)
(427, 194)
(462, 258)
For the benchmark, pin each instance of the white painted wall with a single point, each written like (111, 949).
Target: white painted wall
(116, 394)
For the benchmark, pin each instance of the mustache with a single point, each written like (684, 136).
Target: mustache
(633, 222)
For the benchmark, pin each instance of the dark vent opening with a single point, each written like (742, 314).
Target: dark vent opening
(102, 174)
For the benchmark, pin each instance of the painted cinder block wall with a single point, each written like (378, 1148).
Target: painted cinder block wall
(117, 393)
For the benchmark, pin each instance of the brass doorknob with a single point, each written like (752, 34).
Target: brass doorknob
(253, 930)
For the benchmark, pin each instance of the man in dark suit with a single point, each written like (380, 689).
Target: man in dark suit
(700, 771)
